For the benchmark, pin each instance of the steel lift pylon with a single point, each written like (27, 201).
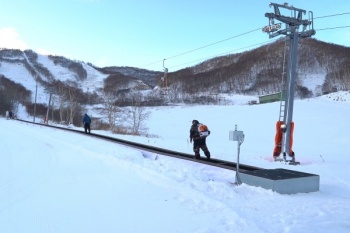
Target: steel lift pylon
(291, 31)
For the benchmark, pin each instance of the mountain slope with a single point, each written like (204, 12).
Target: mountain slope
(321, 68)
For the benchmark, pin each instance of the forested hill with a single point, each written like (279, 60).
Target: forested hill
(322, 67)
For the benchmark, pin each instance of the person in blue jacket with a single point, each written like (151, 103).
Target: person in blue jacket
(86, 122)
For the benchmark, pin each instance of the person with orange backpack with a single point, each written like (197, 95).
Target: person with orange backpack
(198, 134)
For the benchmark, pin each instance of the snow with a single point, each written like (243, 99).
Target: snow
(18, 73)
(56, 181)
(59, 72)
(313, 80)
(94, 77)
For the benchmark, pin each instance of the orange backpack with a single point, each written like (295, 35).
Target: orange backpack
(203, 130)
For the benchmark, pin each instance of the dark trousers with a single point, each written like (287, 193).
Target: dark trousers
(200, 144)
(87, 127)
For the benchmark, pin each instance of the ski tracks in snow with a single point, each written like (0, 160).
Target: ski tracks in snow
(22, 173)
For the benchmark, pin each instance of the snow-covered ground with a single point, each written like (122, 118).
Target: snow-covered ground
(56, 181)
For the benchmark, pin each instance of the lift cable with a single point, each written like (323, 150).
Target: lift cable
(225, 53)
(242, 34)
(266, 42)
(222, 54)
(332, 28)
(326, 16)
(190, 51)
(214, 43)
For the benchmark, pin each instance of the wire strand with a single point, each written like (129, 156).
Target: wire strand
(331, 28)
(326, 16)
(205, 46)
(242, 34)
(225, 53)
(221, 54)
(190, 51)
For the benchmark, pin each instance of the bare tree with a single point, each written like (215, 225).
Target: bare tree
(62, 96)
(111, 110)
(139, 114)
(72, 103)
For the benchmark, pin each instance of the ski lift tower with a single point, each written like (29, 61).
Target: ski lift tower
(291, 31)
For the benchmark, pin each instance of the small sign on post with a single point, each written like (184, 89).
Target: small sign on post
(237, 136)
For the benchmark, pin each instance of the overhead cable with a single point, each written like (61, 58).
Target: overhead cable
(326, 16)
(225, 53)
(242, 34)
(213, 43)
(190, 51)
(245, 48)
(331, 28)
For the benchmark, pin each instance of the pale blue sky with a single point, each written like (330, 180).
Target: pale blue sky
(141, 33)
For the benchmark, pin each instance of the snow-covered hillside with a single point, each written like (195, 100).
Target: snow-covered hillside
(16, 70)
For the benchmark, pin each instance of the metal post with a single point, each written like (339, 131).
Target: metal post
(36, 92)
(48, 109)
(239, 137)
(238, 179)
(290, 85)
(291, 30)
(53, 101)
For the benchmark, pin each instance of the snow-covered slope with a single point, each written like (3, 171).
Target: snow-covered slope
(56, 181)
(16, 69)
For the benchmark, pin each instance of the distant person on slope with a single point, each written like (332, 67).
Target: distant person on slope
(198, 141)
(86, 122)
(11, 115)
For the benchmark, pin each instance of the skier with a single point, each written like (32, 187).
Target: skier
(86, 122)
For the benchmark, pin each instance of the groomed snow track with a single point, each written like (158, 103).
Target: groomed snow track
(160, 151)
(283, 181)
